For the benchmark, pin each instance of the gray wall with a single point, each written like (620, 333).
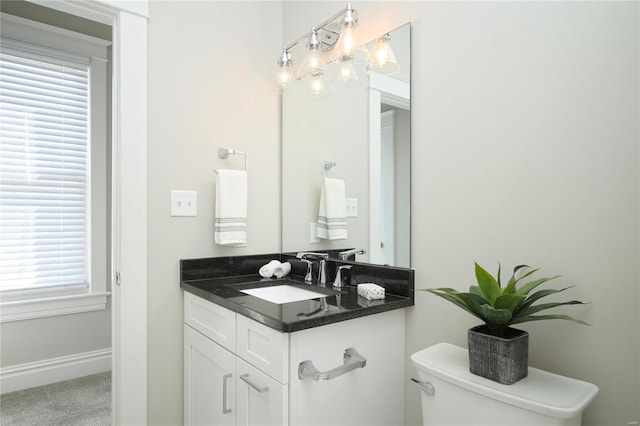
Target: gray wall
(525, 149)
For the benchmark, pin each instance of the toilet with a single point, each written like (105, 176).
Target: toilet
(451, 395)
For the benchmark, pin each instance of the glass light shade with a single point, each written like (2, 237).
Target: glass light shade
(348, 44)
(314, 61)
(382, 58)
(285, 73)
(317, 84)
(346, 71)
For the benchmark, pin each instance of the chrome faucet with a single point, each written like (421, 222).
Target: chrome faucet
(338, 282)
(344, 255)
(309, 257)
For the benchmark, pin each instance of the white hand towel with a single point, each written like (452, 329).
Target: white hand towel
(231, 208)
(332, 212)
(282, 270)
(266, 271)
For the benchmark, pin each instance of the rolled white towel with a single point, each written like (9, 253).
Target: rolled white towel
(370, 291)
(282, 270)
(266, 271)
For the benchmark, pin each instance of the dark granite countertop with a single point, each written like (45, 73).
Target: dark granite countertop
(341, 304)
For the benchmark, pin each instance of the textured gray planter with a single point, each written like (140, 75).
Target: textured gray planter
(503, 360)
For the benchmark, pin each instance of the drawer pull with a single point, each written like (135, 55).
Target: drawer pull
(225, 410)
(352, 360)
(261, 389)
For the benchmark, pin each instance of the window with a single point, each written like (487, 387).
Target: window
(53, 233)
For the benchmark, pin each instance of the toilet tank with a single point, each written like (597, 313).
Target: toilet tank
(462, 398)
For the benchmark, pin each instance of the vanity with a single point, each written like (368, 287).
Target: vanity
(285, 352)
(331, 358)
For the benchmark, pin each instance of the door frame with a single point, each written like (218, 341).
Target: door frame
(129, 198)
(394, 92)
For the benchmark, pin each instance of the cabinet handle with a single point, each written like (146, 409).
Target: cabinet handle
(352, 360)
(261, 389)
(225, 410)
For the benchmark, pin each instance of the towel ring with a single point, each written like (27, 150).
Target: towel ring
(326, 166)
(223, 154)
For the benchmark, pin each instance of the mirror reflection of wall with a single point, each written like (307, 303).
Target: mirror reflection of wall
(363, 126)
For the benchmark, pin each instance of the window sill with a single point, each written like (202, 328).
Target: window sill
(25, 309)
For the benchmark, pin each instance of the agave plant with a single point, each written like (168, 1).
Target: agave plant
(501, 307)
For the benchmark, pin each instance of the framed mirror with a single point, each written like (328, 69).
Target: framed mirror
(356, 130)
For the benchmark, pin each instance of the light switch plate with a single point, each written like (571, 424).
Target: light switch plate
(352, 207)
(184, 203)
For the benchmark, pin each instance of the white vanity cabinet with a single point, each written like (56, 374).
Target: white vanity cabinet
(240, 372)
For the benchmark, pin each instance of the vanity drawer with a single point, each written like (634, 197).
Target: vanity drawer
(215, 322)
(263, 347)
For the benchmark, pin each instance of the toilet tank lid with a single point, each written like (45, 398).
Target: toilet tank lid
(542, 392)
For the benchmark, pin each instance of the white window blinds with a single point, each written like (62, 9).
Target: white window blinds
(44, 153)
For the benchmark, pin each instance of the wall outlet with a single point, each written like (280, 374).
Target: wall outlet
(352, 207)
(184, 203)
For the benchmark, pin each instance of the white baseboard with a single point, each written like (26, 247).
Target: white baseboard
(29, 375)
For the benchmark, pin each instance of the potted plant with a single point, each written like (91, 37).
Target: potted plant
(496, 350)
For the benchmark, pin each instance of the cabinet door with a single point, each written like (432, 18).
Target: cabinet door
(209, 381)
(373, 395)
(261, 400)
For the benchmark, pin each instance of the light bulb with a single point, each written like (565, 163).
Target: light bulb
(348, 43)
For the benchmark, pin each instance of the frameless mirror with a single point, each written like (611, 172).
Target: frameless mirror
(357, 130)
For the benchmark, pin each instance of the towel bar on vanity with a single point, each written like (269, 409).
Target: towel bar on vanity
(223, 154)
(352, 360)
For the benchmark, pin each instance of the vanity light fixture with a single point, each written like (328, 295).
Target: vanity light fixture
(334, 40)
(383, 60)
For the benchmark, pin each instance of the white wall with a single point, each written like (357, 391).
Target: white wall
(211, 66)
(525, 150)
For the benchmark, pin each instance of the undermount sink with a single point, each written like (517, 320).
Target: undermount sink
(283, 293)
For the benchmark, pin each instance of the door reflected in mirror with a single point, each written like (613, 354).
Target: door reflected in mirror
(359, 119)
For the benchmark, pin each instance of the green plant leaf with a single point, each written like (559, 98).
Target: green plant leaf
(525, 289)
(511, 285)
(474, 289)
(537, 308)
(509, 301)
(539, 295)
(493, 316)
(459, 299)
(545, 317)
(488, 284)
(498, 276)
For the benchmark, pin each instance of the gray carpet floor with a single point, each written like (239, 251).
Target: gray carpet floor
(84, 401)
